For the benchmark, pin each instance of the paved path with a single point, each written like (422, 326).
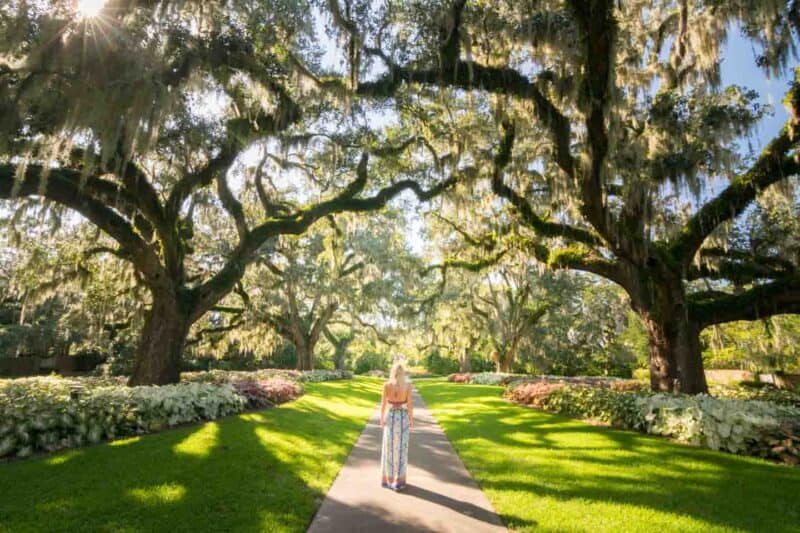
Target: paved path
(441, 496)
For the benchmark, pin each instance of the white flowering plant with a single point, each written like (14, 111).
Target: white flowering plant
(48, 414)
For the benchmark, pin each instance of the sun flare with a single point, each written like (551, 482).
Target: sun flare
(90, 8)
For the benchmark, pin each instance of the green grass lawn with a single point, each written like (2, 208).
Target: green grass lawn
(550, 473)
(261, 471)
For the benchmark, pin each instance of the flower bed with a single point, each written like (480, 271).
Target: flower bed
(512, 380)
(737, 426)
(261, 393)
(47, 414)
(312, 376)
(226, 376)
(51, 413)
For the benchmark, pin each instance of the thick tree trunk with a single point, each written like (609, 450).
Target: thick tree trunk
(676, 362)
(161, 344)
(505, 362)
(305, 355)
(659, 298)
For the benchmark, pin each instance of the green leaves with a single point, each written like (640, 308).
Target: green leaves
(39, 414)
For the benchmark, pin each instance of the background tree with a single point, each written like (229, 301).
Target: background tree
(343, 276)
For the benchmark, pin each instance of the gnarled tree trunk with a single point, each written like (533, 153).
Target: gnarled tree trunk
(676, 362)
(161, 344)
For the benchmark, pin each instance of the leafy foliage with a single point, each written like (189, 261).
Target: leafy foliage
(749, 427)
(42, 414)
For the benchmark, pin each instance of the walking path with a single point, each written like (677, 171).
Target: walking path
(441, 495)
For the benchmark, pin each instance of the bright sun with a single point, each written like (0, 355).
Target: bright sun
(90, 8)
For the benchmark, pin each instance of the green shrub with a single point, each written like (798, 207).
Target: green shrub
(751, 427)
(737, 426)
(436, 364)
(370, 360)
(47, 414)
(479, 363)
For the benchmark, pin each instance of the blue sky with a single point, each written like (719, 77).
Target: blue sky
(738, 67)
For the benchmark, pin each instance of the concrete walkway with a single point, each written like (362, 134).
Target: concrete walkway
(441, 496)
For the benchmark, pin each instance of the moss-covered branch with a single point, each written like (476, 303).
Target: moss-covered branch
(776, 163)
(599, 29)
(348, 200)
(521, 205)
(470, 75)
(92, 200)
(761, 301)
(739, 266)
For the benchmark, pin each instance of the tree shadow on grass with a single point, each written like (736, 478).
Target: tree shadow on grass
(261, 471)
(514, 450)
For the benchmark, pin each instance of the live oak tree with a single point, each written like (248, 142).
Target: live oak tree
(510, 307)
(620, 151)
(134, 117)
(333, 282)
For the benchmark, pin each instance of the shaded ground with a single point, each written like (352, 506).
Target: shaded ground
(550, 473)
(440, 496)
(262, 471)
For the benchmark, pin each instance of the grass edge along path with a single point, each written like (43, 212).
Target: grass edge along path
(547, 472)
(258, 471)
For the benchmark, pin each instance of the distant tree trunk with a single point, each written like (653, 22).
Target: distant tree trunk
(465, 363)
(340, 345)
(161, 344)
(305, 356)
(505, 360)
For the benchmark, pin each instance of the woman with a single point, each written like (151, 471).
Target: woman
(397, 420)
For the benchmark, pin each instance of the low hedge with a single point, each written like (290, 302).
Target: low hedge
(512, 380)
(44, 414)
(748, 427)
(305, 376)
(48, 414)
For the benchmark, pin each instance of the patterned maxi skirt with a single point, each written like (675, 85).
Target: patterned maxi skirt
(394, 453)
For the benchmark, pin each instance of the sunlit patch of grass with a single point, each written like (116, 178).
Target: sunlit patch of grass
(160, 494)
(63, 457)
(550, 473)
(125, 442)
(260, 471)
(201, 442)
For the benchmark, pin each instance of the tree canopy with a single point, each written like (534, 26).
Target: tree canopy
(202, 138)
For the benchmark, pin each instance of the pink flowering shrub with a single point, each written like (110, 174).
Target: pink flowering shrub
(458, 378)
(535, 394)
(267, 392)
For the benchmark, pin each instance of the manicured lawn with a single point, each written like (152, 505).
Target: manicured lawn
(550, 473)
(261, 471)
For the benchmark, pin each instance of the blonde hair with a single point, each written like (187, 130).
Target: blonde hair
(397, 376)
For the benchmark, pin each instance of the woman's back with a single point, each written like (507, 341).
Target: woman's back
(395, 393)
